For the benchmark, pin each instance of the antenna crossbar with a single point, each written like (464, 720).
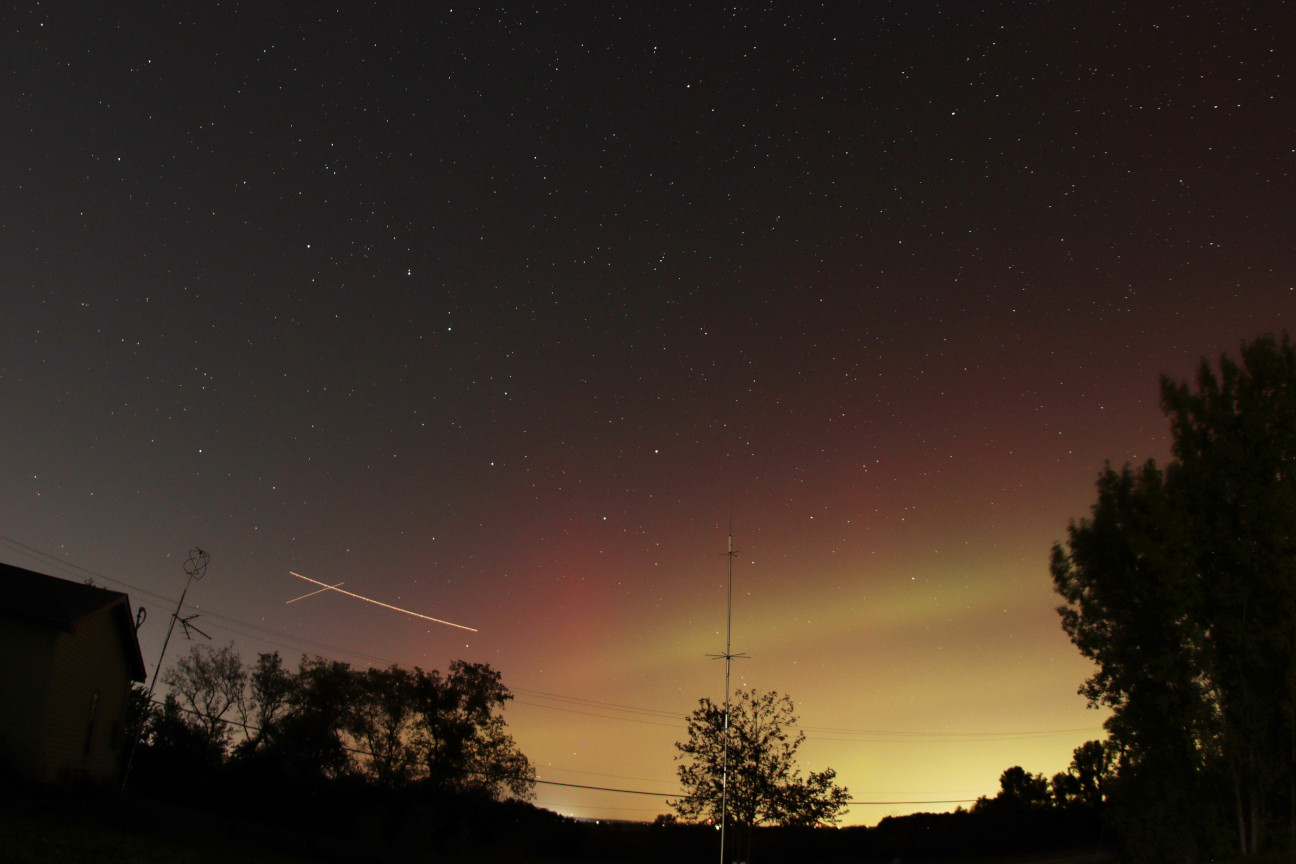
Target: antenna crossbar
(187, 625)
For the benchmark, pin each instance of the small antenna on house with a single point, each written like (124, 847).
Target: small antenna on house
(728, 656)
(187, 625)
(195, 568)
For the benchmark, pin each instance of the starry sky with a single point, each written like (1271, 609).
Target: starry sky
(510, 315)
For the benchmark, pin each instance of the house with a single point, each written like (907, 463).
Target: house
(68, 655)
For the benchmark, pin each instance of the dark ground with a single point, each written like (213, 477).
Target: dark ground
(58, 825)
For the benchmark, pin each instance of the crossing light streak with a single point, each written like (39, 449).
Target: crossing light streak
(326, 587)
(316, 591)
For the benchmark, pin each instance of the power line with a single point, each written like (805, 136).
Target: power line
(678, 718)
(584, 786)
(884, 737)
(335, 649)
(68, 567)
(603, 773)
(611, 789)
(681, 795)
(600, 716)
(595, 703)
(137, 591)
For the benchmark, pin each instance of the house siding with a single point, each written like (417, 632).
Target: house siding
(26, 666)
(87, 700)
(68, 655)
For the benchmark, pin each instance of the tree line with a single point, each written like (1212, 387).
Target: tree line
(325, 745)
(1083, 784)
(388, 727)
(756, 786)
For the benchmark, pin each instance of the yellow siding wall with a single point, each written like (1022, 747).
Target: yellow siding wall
(87, 662)
(26, 661)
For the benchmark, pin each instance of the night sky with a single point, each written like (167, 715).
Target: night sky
(508, 316)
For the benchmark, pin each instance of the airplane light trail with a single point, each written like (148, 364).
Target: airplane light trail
(326, 587)
(313, 593)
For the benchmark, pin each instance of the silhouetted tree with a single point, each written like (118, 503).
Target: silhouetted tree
(815, 801)
(1181, 586)
(312, 733)
(322, 741)
(1091, 766)
(460, 738)
(208, 684)
(139, 718)
(381, 719)
(1064, 789)
(269, 692)
(1021, 787)
(1235, 481)
(176, 753)
(1019, 790)
(763, 783)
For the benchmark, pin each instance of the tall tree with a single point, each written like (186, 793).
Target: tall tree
(762, 782)
(269, 692)
(1235, 442)
(311, 740)
(208, 685)
(1181, 586)
(1091, 766)
(461, 740)
(381, 718)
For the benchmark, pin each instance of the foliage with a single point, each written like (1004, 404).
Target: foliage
(1130, 613)
(1064, 789)
(208, 683)
(381, 720)
(1019, 792)
(461, 741)
(270, 690)
(761, 783)
(1085, 783)
(178, 743)
(1081, 786)
(313, 728)
(1181, 586)
(1023, 788)
(327, 723)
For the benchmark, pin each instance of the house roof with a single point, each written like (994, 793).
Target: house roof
(60, 604)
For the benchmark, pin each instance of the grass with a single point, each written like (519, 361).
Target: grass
(34, 838)
(52, 827)
(44, 826)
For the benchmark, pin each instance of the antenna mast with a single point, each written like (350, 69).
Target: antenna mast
(196, 568)
(728, 657)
